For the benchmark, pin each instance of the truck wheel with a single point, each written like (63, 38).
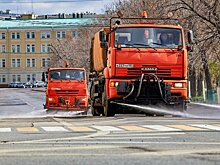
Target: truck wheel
(108, 108)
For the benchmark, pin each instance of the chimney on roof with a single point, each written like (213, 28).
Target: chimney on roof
(59, 15)
(8, 11)
(77, 15)
(45, 16)
(81, 15)
(63, 15)
(74, 15)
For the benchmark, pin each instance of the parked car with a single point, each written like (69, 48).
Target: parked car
(28, 85)
(39, 84)
(12, 85)
(16, 85)
(20, 85)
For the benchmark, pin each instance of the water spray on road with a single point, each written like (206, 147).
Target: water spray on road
(164, 111)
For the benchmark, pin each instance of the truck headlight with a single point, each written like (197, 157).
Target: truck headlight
(178, 85)
(83, 99)
(114, 84)
(51, 99)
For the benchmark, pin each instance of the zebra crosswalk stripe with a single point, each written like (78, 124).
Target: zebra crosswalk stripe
(133, 128)
(212, 127)
(107, 128)
(27, 129)
(186, 127)
(5, 129)
(160, 128)
(54, 129)
(81, 129)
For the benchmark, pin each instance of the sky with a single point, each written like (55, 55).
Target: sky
(54, 6)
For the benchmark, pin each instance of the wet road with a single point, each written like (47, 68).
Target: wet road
(28, 135)
(29, 103)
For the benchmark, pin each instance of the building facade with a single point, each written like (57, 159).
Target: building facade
(25, 46)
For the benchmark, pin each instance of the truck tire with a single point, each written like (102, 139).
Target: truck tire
(108, 108)
(96, 111)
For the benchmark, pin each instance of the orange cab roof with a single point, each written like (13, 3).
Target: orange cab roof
(149, 25)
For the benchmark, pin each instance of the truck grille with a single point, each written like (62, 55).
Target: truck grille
(67, 92)
(160, 72)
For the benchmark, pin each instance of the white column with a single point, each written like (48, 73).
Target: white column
(203, 90)
(218, 94)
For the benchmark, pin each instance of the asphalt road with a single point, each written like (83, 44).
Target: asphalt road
(28, 135)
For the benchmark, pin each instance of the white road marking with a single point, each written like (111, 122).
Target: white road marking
(160, 128)
(212, 127)
(107, 128)
(54, 129)
(5, 129)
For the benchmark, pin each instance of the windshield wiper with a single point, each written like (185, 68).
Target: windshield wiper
(145, 45)
(132, 45)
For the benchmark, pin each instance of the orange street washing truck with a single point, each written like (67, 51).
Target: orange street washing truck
(67, 89)
(142, 64)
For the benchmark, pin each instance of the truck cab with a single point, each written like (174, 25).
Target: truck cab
(140, 63)
(67, 89)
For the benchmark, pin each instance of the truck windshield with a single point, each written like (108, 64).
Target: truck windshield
(148, 37)
(67, 74)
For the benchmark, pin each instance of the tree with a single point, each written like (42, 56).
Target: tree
(74, 50)
(203, 17)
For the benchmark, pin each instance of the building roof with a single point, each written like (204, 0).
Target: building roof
(47, 23)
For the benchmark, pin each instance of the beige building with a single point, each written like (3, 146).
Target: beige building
(25, 46)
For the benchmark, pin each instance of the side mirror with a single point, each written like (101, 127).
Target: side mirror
(102, 36)
(190, 37)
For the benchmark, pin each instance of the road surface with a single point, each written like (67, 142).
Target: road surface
(29, 136)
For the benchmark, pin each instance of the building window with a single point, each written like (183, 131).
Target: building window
(30, 48)
(2, 63)
(15, 35)
(15, 63)
(18, 48)
(13, 78)
(3, 36)
(13, 48)
(45, 34)
(45, 62)
(30, 35)
(2, 78)
(28, 78)
(16, 78)
(18, 63)
(28, 63)
(31, 63)
(19, 78)
(3, 49)
(45, 48)
(33, 77)
(61, 35)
